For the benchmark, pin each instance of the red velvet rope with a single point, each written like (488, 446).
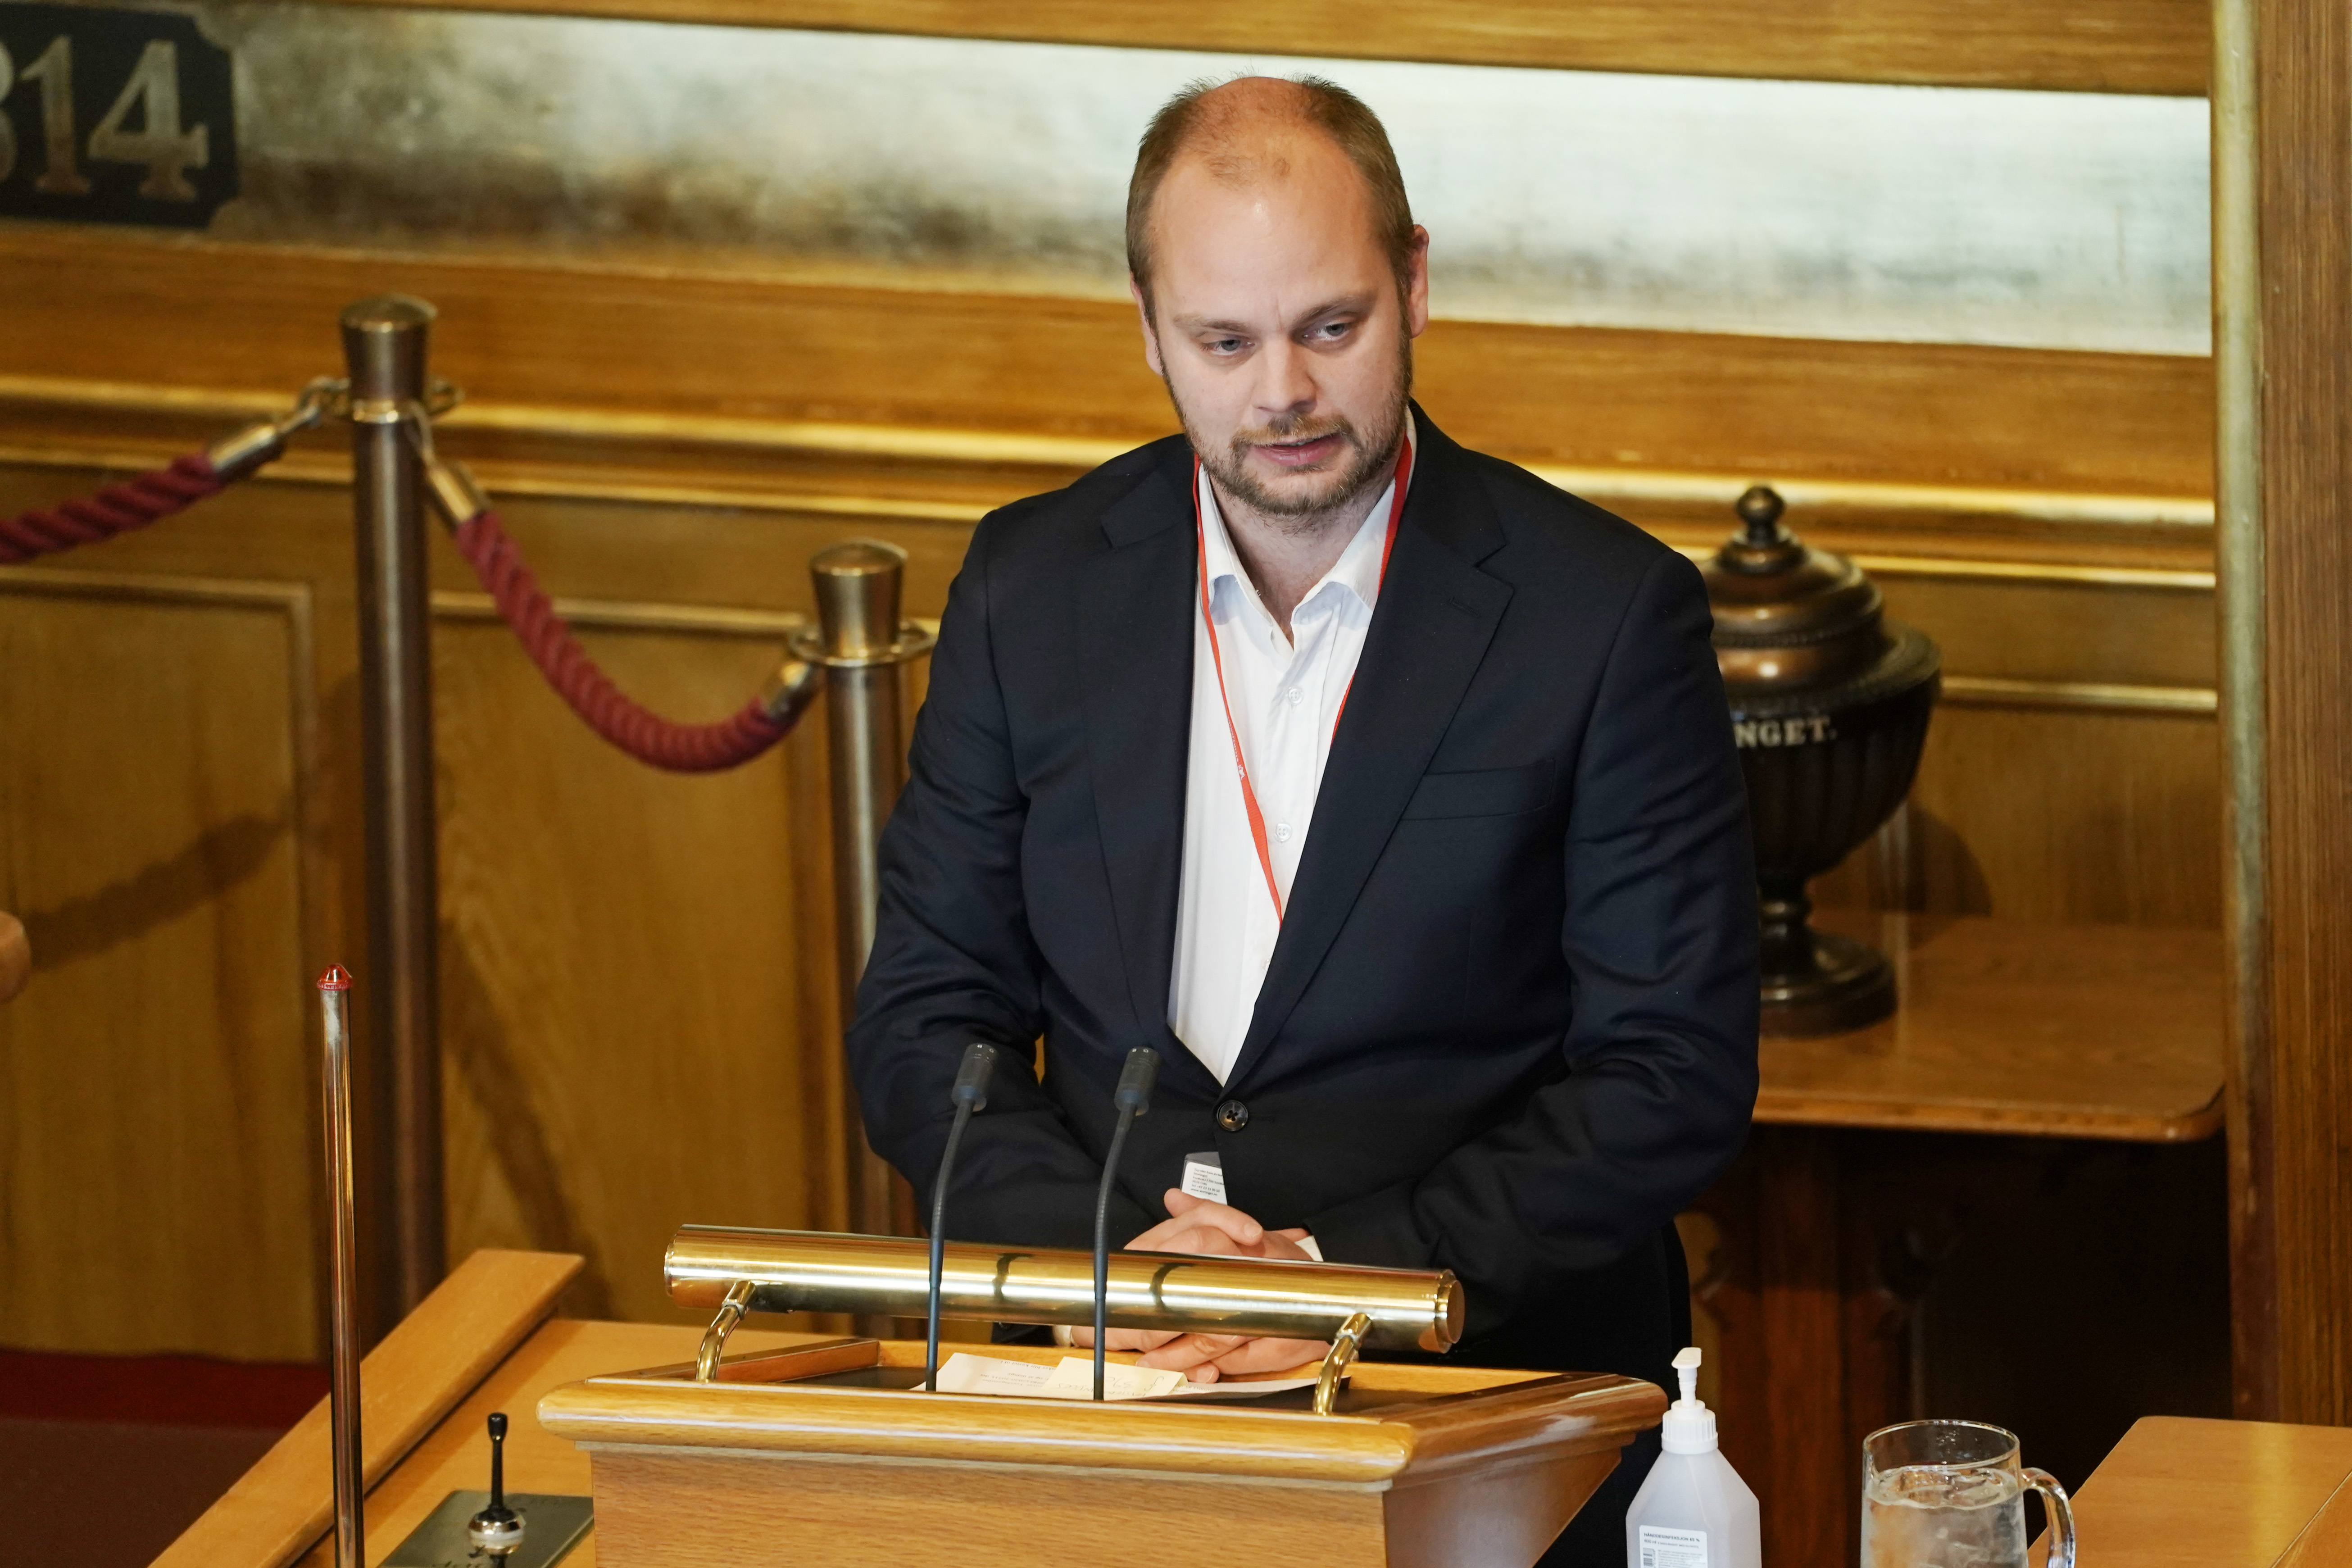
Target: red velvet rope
(117, 508)
(647, 736)
(644, 735)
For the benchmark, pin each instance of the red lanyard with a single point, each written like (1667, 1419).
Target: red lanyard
(1249, 794)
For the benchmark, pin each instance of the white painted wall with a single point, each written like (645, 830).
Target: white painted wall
(2061, 220)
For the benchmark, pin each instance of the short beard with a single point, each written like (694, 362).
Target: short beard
(1369, 455)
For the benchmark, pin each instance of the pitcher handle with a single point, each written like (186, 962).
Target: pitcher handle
(2062, 1517)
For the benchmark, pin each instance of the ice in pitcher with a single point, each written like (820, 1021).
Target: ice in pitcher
(1925, 1515)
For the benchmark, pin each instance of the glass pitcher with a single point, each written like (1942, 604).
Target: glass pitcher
(1951, 1494)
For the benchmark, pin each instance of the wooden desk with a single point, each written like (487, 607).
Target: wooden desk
(2177, 1493)
(1449, 1464)
(2035, 1034)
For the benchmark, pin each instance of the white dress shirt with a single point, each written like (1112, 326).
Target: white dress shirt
(1285, 693)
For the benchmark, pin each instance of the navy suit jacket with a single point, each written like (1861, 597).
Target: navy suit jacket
(1509, 1025)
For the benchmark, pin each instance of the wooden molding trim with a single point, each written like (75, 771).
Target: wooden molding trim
(770, 625)
(2001, 691)
(794, 437)
(586, 337)
(1993, 570)
(1795, 1108)
(2111, 46)
(2329, 1537)
(915, 474)
(1386, 1443)
(2282, 169)
(2256, 1389)
(1884, 500)
(2083, 573)
(313, 469)
(616, 614)
(621, 430)
(1079, 454)
(291, 599)
(1961, 690)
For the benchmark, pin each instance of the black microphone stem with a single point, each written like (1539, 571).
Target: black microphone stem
(969, 1094)
(1102, 1244)
(940, 1245)
(1133, 1098)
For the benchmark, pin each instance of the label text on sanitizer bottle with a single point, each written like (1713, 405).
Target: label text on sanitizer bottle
(1673, 1548)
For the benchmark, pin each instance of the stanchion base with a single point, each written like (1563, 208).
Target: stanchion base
(552, 1525)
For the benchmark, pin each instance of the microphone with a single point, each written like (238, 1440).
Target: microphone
(1133, 1098)
(969, 1094)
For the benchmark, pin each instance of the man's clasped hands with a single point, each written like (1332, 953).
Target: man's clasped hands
(1197, 1226)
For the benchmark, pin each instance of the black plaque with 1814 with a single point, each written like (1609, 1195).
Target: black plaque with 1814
(111, 116)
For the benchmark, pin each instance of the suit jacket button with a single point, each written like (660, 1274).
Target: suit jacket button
(1233, 1116)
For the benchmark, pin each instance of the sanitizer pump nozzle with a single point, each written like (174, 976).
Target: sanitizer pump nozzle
(1689, 1425)
(1692, 1511)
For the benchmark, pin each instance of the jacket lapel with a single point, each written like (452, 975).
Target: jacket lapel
(1437, 613)
(1133, 615)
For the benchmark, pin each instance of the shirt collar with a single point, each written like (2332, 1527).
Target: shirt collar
(1357, 569)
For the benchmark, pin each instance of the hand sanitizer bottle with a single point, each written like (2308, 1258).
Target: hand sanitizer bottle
(1694, 1510)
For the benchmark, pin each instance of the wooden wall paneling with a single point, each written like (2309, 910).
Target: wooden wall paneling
(624, 1026)
(2116, 46)
(2057, 815)
(561, 1163)
(298, 537)
(2061, 630)
(520, 337)
(1766, 408)
(560, 852)
(2075, 794)
(2283, 308)
(156, 1154)
(2039, 796)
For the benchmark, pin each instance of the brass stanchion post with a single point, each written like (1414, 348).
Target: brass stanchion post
(857, 592)
(385, 342)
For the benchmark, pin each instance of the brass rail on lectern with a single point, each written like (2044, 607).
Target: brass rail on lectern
(734, 1271)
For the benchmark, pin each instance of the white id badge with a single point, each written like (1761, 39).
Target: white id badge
(1204, 1177)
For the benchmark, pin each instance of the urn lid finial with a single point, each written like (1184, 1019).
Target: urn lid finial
(1761, 507)
(1788, 615)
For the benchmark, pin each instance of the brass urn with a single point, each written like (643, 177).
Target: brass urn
(1829, 703)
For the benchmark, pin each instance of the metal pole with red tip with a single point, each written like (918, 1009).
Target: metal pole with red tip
(343, 1319)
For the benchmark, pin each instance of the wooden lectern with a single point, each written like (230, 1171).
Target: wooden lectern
(810, 1458)
(798, 1456)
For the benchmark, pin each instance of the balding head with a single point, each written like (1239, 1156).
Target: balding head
(1259, 131)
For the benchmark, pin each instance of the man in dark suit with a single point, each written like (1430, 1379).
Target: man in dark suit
(1384, 790)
